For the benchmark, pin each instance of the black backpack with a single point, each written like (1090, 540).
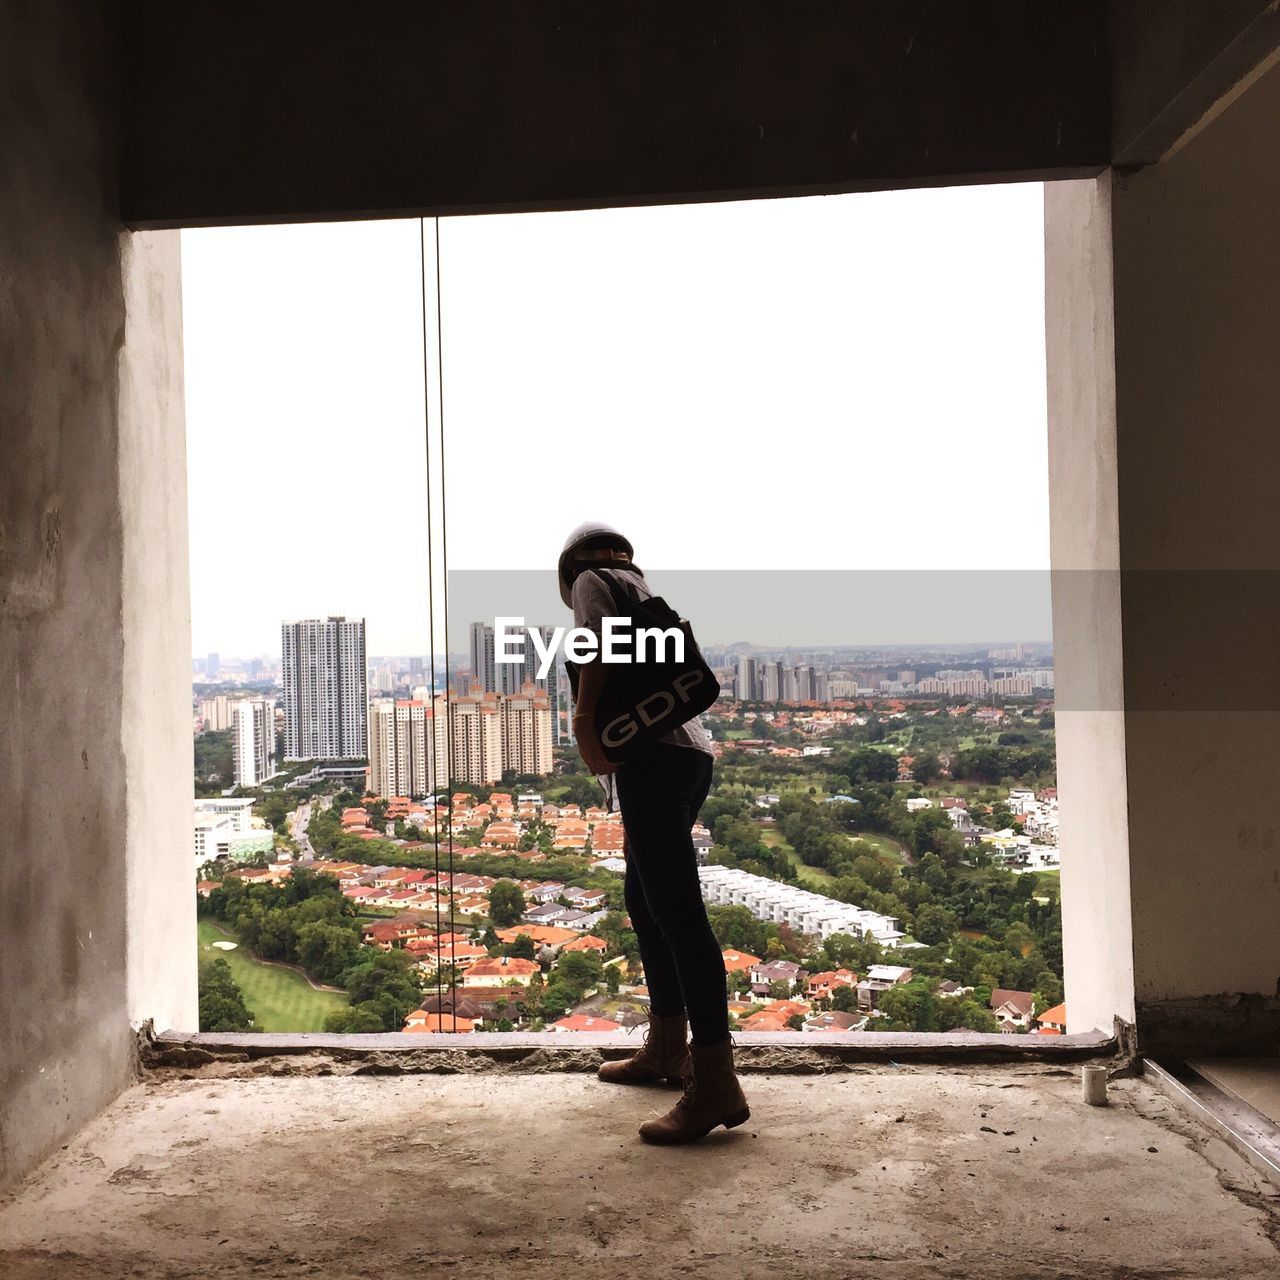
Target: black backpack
(644, 701)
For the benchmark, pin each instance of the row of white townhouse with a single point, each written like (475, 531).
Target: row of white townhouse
(801, 909)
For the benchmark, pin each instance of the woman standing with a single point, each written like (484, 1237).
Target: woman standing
(659, 792)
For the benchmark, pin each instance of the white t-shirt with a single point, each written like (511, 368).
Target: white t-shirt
(592, 601)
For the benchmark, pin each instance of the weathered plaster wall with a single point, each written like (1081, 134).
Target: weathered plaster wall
(1085, 550)
(92, 595)
(1197, 307)
(156, 610)
(64, 1038)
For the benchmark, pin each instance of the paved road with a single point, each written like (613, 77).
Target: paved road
(298, 822)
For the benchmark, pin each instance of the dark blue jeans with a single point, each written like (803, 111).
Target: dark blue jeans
(660, 793)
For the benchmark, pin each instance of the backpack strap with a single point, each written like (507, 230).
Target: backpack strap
(621, 600)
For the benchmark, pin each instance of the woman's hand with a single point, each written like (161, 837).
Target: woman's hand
(590, 747)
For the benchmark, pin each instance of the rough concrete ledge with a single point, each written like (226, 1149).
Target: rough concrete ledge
(447, 1053)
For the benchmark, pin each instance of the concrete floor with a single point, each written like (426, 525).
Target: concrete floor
(893, 1173)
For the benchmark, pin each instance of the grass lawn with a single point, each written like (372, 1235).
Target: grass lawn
(886, 847)
(1048, 882)
(279, 999)
(816, 876)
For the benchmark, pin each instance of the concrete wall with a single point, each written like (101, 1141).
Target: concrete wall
(156, 616)
(1085, 553)
(78, 699)
(1197, 306)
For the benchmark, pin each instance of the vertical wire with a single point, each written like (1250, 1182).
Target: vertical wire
(444, 559)
(431, 608)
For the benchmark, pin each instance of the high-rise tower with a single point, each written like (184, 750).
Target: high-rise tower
(323, 666)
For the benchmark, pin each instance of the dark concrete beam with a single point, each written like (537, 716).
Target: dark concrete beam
(251, 112)
(1172, 60)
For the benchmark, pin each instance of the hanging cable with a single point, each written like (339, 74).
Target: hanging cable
(431, 617)
(444, 562)
(431, 623)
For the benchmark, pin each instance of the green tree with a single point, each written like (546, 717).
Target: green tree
(213, 764)
(358, 1020)
(222, 1006)
(926, 767)
(522, 948)
(869, 764)
(961, 1011)
(385, 984)
(327, 950)
(578, 970)
(934, 925)
(845, 999)
(506, 903)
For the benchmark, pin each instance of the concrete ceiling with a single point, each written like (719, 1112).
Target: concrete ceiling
(302, 109)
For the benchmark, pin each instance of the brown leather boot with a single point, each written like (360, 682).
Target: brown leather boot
(663, 1058)
(712, 1096)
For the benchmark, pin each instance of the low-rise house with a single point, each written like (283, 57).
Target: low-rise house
(500, 971)
(588, 942)
(764, 975)
(548, 913)
(739, 961)
(500, 835)
(822, 986)
(585, 899)
(420, 1021)
(584, 1022)
(765, 1020)
(607, 837)
(461, 955)
(835, 1020)
(261, 876)
(580, 921)
(545, 891)
(1013, 1009)
(880, 978)
(789, 1008)
(1052, 1022)
(541, 935)
(702, 845)
(387, 934)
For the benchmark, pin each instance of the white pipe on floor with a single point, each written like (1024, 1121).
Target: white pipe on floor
(1093, 1082)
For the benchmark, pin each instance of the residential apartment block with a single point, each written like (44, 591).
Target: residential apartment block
(526, 731)
(407, 745)
(801, 909)
(490, 675)
(254, 741)
(217, 712)
(323, 666)
(227, 828)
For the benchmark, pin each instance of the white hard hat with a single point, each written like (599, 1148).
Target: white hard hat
(584, 533)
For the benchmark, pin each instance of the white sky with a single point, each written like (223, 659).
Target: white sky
(845, 382)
